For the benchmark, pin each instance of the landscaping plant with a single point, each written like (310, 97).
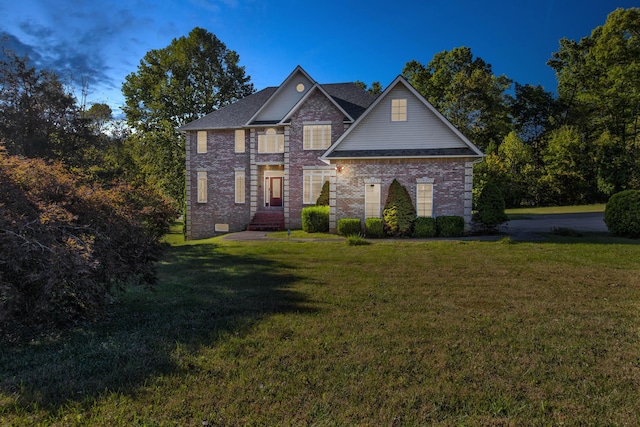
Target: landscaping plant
(622, 214)
(315, 219)
(399, 212)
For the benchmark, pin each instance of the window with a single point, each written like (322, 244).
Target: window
(372, 201)
(202, 187)
(313, 180)
(398, 110)
(316, 137)
(271, 142)
(240, 187)
(202, 141)
(239, 140)
(424, 200)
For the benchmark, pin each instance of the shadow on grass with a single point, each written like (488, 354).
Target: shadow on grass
(205, 295)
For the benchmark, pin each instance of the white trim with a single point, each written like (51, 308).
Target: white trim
(273, 96)
(377, 186)
(379, 99)
(307, 95)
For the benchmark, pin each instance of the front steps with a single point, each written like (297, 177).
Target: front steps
(267, 221)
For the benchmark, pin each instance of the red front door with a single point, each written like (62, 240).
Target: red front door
(275, 191)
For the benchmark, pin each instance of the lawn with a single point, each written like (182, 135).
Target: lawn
(399, 333)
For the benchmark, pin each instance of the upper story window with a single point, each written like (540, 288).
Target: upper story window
(240, 141)
(202, 141)
(271, 142)
(316, 137)
(398, 110)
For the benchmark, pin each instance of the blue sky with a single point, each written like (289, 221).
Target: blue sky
(333, 40)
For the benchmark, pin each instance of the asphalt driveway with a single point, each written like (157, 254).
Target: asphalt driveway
(536, 224)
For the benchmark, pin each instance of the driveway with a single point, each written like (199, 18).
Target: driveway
(522, 229)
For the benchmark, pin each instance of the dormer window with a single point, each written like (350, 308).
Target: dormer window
(398, 110)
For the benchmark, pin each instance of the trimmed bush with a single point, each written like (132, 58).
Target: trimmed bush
(398, 213)
(450, 226)
(424, 227)
(315, 219)
(491, 206)
(374, 228)
(323, 198)
(622, 214)
(349, 226)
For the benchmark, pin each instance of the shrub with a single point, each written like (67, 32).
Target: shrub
(622, 214)
(398, 213)
(67, 245)
(374, 228)
(323, 198)
(349, 226)
(424, 227)
(450, 226)
(491, 206)
(315, 219)
(356, 240)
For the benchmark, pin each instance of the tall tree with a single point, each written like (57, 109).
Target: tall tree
(191, 77)
(534, 111)
(599, 83)
(38, 116)
(465, 90)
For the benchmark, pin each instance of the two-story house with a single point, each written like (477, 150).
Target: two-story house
(269, 154)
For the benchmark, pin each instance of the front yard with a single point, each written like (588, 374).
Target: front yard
(282, 332)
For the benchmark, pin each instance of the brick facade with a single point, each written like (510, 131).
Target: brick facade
(220, 162)
(447, 176)
(452, 176)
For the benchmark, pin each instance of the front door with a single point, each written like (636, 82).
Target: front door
(275, 191)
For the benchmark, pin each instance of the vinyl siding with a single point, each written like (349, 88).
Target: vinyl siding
(422, 129)
(285, 99)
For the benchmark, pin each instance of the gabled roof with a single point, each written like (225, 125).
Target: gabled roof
(234, 115)
(351, 99)
(463, 148)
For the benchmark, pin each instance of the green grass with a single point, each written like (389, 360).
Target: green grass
(402, 333)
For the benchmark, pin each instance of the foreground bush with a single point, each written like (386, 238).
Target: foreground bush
(315, 219)
(398, 213)
(622, 214)
(66, 246)
(374, 228)
(349, 226)
(424, 227)
(450, 226)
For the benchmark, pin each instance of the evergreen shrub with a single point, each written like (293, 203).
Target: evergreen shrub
(349, 226)
(450, 226)
(490, 206)
(374, 228)
(399, 212)
(424, 227)
(315, 219)
(622, 214)
(323, 198)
